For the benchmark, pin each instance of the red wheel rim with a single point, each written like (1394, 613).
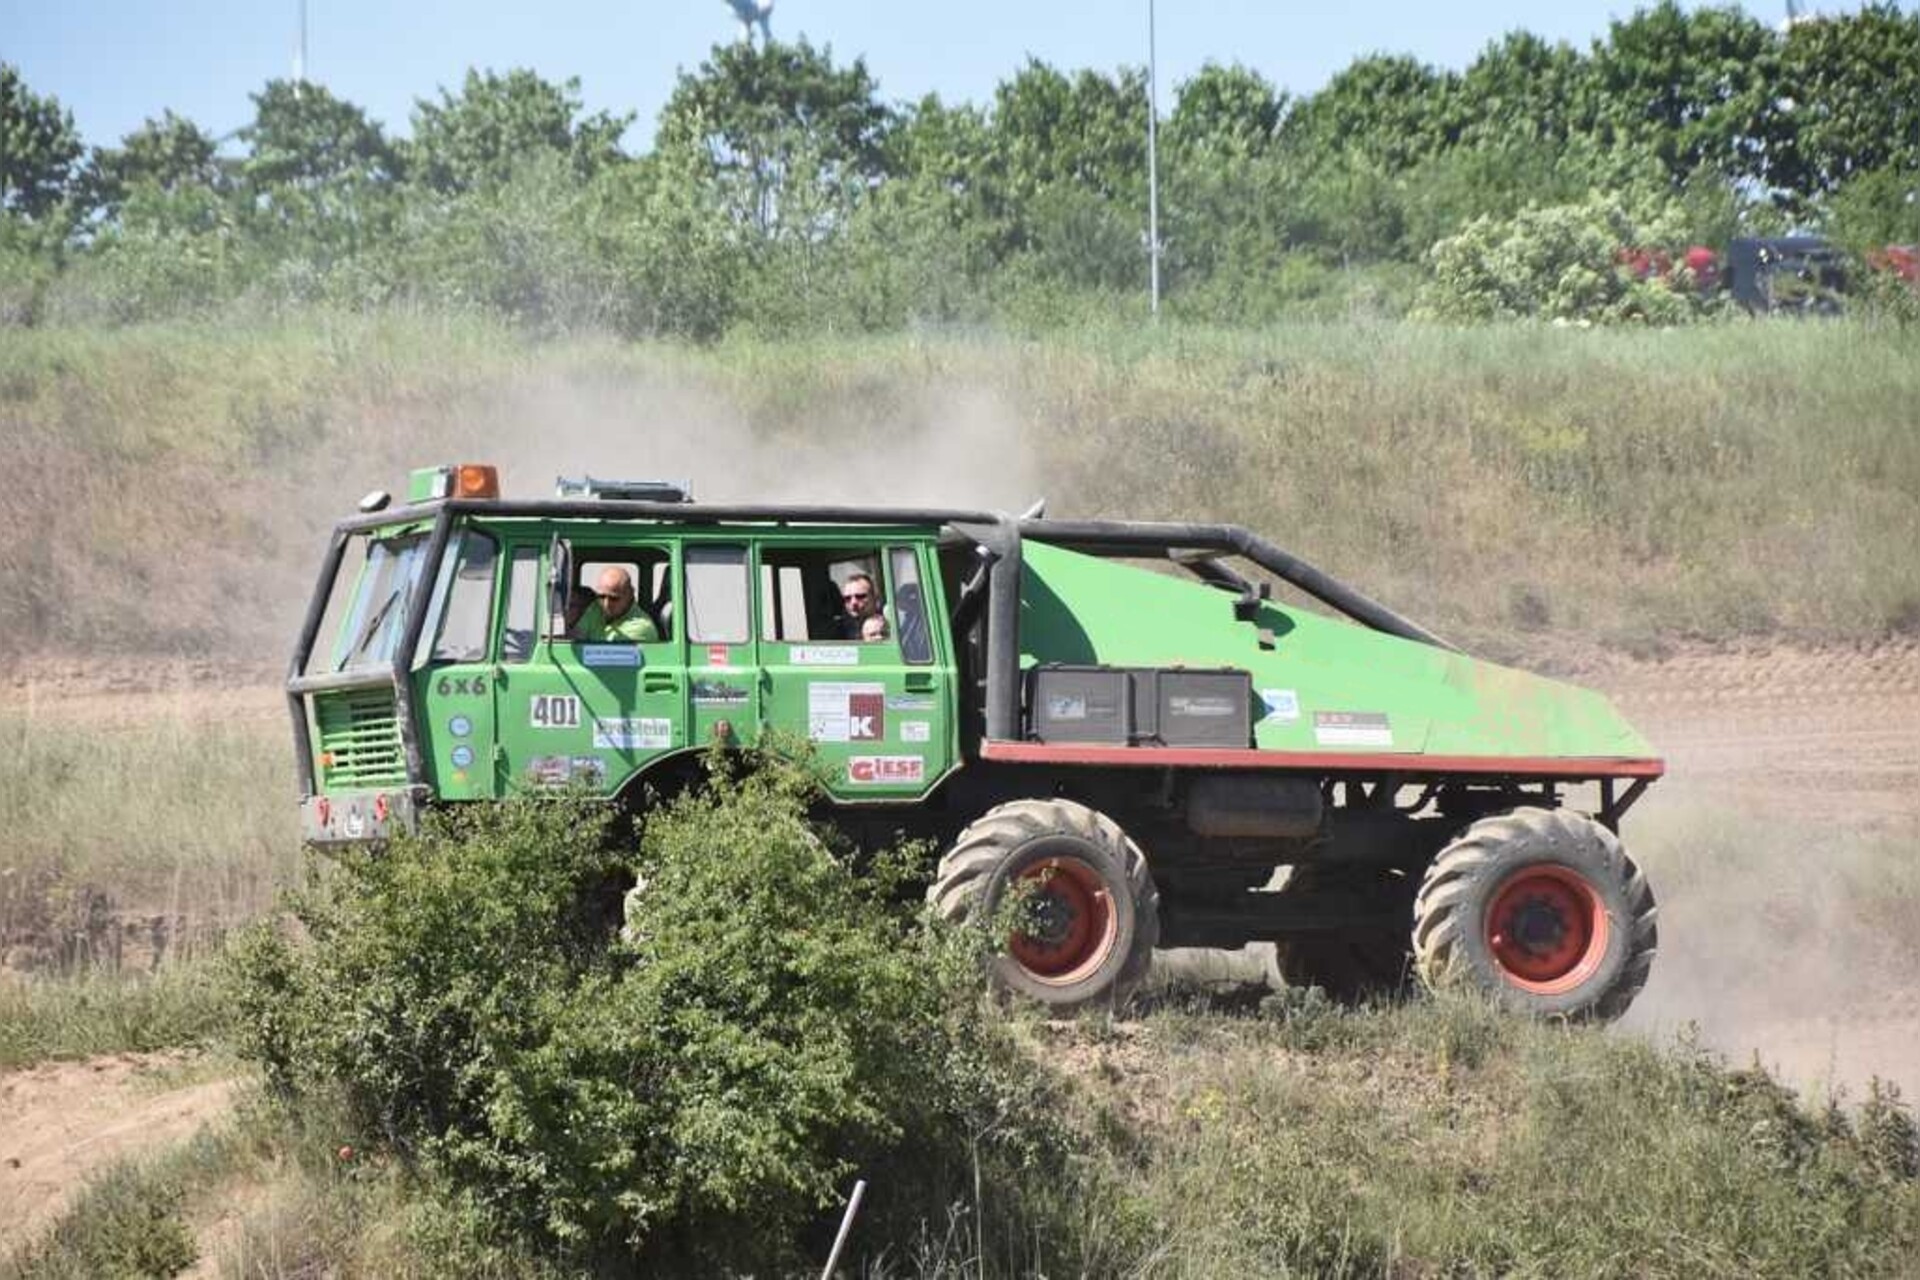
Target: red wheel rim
(1547, 929)
(1069, 924)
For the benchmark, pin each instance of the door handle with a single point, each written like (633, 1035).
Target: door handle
(659, 683)
(919, 681)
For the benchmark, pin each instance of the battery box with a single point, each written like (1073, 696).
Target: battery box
(1141, 706)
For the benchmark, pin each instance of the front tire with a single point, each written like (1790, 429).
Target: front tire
(1093, 914)
(1543, 910)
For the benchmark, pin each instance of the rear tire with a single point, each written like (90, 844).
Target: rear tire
(1094, 911)
(1543, 910)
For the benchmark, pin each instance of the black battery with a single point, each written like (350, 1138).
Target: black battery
(1080, 704)
(1180, 707)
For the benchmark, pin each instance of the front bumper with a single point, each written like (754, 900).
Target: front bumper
(366, 817)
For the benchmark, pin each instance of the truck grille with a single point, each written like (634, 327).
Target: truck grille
(361, 736)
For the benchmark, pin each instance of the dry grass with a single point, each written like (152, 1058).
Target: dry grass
(1729, 480)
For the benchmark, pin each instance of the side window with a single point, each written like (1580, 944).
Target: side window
(717, 606)
(463, 628)
(646, 568)
(910, 606)
(523, 597)
(822, 594)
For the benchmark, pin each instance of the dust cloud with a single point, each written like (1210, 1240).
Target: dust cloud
(1782, 846)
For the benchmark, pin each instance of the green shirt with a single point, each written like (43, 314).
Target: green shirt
(631, 627)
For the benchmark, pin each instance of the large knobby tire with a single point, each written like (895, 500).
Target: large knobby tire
(1355, 965)
(1541, 909)
(1092, 916)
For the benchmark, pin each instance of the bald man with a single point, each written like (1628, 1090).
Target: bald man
(613, 618)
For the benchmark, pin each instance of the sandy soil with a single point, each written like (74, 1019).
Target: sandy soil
(62, 1122)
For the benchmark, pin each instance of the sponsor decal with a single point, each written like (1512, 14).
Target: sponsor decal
(356, 822)
(1066, 707)
(462, 756)
(561, 771)
(909, 702)
(1281, 704)
(718, 693)
(823, 655)
(916, 731)
(645, 733)
(1201, 705)
(1352, 729)
(885, 770)
(611, 655)
(838, 712)
(459, 726)
(554, 711)
(719, 655)
(549, 771)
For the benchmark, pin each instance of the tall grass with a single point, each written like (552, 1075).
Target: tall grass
(1734, 479)
(129, 843)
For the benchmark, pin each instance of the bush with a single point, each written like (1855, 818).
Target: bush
(772, 1026)
(1558, 263)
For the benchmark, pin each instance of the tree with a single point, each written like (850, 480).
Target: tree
(317, 168)
(1523, 90)
(39, 148)
(1393, 111)
(1229, 112)
(1089, 131)
(475, 140)
(766, 118)
(1850, 89)
(1692, 89)
(170, 156)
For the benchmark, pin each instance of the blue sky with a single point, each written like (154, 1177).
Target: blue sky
(115, 62)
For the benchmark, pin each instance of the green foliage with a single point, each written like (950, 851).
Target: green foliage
(770, 1027)
(39, 149)
(168, 157)
(1558, 263)
(476, 140)
(1853, 82)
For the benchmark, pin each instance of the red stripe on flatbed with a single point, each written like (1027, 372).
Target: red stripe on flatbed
(1321, 761)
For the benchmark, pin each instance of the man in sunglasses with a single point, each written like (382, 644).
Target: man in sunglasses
(613, 618)
(860, 601)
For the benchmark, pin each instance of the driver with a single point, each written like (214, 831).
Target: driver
(613, 615)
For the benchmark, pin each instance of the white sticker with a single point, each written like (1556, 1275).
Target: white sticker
(916, 731)
(824, 655)
(641, 734)
(1352, 729)
(554, 711)
(1281, 704)
(1202, 705)
(839, 712)
(1066, 707)
(610, 655)
(885, 770)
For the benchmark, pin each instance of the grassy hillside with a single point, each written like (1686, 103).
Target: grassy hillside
(1729, 481)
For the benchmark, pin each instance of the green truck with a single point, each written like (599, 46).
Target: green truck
(1121, 719)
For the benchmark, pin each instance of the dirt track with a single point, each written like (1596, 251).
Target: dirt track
(63, 1122)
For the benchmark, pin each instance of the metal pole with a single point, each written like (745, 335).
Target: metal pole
(846, 1226)
(1153, 171)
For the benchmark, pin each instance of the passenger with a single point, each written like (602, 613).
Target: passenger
(860, 601)
(873, 627)
(613, 616)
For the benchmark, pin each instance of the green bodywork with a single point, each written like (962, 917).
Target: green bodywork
(510, 708)
(1324, 684)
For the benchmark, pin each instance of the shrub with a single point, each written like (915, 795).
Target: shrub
(772, 1026)
(1558, 263)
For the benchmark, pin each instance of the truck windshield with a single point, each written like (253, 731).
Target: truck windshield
(375, 616)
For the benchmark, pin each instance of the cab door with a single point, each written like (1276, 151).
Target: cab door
(591, 715)
(879, 712)
(723, 664)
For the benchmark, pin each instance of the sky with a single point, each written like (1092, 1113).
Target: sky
(114, 63)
